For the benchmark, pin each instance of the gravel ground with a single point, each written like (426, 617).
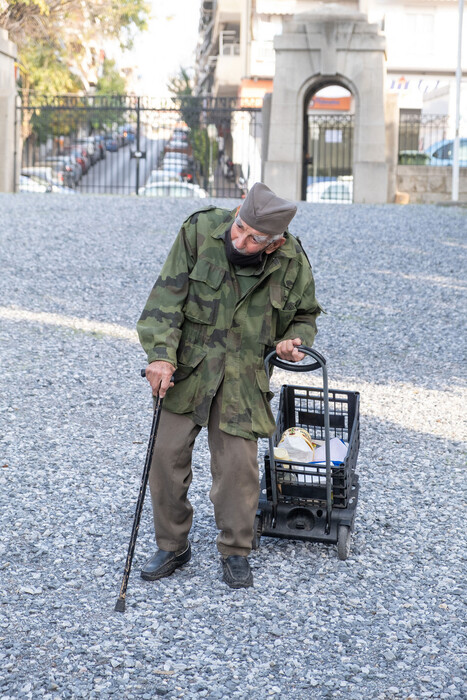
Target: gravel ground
(388, 623)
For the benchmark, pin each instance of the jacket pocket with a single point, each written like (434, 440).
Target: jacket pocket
(280, 312)
(262, 421)
(285, 313)
(204, 292)
(184, 396)
(188, 358)
(268, 326)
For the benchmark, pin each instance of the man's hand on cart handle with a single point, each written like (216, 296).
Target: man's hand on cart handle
(287, 350)
(159, 375)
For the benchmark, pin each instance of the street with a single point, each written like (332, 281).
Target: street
(118, 173)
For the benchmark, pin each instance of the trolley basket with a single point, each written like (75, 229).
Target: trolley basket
(311, 501)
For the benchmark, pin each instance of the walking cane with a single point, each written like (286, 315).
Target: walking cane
(120, 605)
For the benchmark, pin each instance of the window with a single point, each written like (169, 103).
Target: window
(419, 32)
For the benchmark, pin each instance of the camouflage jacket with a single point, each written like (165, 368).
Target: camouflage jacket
(212, 325)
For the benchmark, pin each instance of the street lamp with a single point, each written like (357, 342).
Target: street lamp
(455, 160)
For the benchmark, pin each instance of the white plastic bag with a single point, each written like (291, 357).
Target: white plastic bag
(338, 451)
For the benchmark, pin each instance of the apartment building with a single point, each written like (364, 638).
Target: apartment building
(235, 54)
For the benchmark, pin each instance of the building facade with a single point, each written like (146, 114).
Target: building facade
(235, 54)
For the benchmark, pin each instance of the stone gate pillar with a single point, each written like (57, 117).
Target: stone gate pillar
(318, 49)
(7, 112)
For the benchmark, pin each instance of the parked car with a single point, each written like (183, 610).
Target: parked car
(127, 133)
(81, 158)
(63, 175)
(40, 178)
(99, 140)
(44, 172)
(442, 152)
(172, 168)
(85, 152)
(176, 157)
(70, 167)
(111, 143)
(330, 192)
(180, 134)
(182, 162)
(173, 189)
(89, 145)
(161, 176)
(178, 146)
(33, 184)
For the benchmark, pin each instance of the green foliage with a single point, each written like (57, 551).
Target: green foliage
(181, 84)
(110, 82)
(201, 151)
(47, 71)
(123, 18)
(67, 28)
(194, 115)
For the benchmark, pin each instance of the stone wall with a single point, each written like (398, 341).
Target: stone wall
(7, 112)
(429, 184)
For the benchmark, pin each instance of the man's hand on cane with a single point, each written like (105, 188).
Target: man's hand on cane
(159, 375)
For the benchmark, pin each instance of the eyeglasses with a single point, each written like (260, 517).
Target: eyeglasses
(259, 240)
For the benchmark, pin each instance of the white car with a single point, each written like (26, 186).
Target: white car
(41, 176)
(173, 189)
(178, 158)
(32, 184)
(172, 169)
(162, 176)
(330, 192)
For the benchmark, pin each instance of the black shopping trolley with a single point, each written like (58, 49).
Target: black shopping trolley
(311, 501)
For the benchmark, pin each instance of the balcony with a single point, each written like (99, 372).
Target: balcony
(262, 59)
(228, 71)
(227, 10)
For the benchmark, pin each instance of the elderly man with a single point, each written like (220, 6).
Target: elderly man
(235, 285)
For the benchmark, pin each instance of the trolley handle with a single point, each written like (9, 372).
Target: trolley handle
(320, 362)
(273, 359)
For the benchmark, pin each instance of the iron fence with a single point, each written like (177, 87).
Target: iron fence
(184, 147)
(424, 139)
(327, 171)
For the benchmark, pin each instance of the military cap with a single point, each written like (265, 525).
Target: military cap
(265, 211)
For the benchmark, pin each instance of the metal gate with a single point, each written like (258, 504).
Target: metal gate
(328, 157)
(182, 147)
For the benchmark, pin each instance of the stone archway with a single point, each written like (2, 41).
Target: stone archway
(321, 48)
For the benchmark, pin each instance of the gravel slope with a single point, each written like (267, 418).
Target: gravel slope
(388, 623)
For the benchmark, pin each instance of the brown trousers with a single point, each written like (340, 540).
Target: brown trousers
(235, 483)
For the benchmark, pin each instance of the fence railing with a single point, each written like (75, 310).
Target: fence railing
(328, 174)
(184, 147)
(427, 140)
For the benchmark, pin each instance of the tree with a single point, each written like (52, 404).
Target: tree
(73, 20)
(110, 82)
(70, 30)
(181, 84)
(195, 115)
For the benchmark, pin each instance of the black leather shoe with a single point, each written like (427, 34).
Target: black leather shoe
(164, 563)
(237, 572)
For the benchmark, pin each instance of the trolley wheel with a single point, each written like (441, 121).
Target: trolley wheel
(257, 530)
(343, 541)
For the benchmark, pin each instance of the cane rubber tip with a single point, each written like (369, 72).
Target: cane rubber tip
(120, 605)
